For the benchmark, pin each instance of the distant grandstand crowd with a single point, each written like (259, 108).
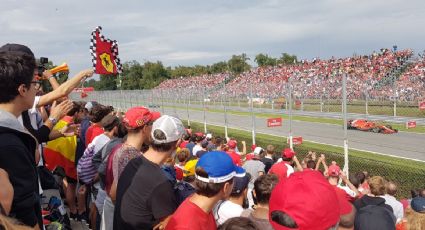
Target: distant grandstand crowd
(371, 76)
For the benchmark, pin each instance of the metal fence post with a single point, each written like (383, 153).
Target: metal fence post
(252, 114)
(344, 98)
(290, 114)
(187, 100)
(225, 111)
(367, 102)
(205, 116)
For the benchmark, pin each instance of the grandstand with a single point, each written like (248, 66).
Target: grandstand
(375, 76)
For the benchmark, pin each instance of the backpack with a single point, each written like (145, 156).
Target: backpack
(183, 190)
(85, 169)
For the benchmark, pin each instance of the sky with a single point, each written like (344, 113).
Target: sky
(190, 32)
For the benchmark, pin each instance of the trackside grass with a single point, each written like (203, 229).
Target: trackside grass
(408, 174)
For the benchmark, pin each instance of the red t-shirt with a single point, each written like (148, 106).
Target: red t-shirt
(236, 158)
(279, 169)
(93, 131)
(249, 156)
(190, 216)
(179, 173)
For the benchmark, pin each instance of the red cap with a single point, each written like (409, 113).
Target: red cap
(253, 147)
(139, 116)
(345, 206)
(308, 198)
(232, 144)
(288, 153)
(199, 134)
(334, 170)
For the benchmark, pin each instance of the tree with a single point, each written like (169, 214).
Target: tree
(265, 60)
(152, 75)
(218, 67)
(131, 75)
(237, 64)
(287, 59)
(107, 82)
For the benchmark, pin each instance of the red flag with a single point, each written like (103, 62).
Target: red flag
(104, 54)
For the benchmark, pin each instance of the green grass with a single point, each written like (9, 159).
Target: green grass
(398, 126)
(408, 174)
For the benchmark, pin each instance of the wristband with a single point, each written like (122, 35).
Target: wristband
(53, 120)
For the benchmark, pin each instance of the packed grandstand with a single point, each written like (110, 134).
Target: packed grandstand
(369, 75)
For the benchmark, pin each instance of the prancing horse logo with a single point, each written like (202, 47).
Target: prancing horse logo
(106, 62)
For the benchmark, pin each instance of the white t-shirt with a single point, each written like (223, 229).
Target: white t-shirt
(226, 210)
(196, 148)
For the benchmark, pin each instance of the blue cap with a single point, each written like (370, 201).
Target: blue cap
(219, 167)
(418, 204)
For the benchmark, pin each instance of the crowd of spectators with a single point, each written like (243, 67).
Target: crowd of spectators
(320, 78)
(145, 170)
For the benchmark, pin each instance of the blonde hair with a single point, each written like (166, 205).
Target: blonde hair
(377, 185)
(415, 220)
(11, 224)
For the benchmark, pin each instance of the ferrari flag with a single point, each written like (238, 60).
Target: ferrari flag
(104, 53)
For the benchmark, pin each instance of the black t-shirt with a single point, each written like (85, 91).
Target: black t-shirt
(144, 196)
(268, 164)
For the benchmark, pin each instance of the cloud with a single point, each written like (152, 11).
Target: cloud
(190, 32)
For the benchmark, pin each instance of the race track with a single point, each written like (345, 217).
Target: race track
(407, 145)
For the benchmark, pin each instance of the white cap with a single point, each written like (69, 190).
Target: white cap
(209, 136)
(172, 128)
(257, 150)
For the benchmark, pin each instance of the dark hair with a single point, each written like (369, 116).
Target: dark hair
(361, 176)
(263, 187)
(122, 131)
(208, 189)
(283, 219)
(76, 107)
(238, 223)
(218, 141)
(15, 69)
(354, 180)
(98, 112)
(311, 164)
(186, 136)
(163, 147)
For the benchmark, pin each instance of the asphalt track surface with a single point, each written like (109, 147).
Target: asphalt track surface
(402, 144)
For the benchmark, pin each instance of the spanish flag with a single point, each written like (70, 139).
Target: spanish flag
(61, 151)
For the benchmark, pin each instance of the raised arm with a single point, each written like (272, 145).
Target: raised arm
(64, 89)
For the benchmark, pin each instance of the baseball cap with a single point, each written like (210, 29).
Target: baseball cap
(232, 144)
(240, 184)
(208, 136)
(334, 170)
(139, 116)
(219, 167)
(258, 150)
(308, 198)
(109, 121)
(89, 105)
(204, 143)
(10, 47)
(253, 147)
(418, 204)
(172, 128)
(189, 168)
(288, 153)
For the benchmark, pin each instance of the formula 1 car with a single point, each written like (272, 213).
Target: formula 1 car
(370, 126)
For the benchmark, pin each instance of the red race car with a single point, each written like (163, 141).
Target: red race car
(370, 126)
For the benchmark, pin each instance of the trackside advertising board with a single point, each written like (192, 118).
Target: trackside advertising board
(274, 122)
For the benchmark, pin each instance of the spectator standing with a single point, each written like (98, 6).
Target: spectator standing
(214, 175)
(255, 168)
(284, 168)
(263, 187)
(17, 155)
(391, 190)
(236, 156)
(305, 200)
(235, 205)
(268, 158)
(145, 196)
(372, 212)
